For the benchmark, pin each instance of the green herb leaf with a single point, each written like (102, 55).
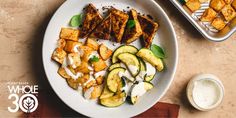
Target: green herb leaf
(182, 2)
(130, 24)
(76, 20)
(158, 51)
(94, 59)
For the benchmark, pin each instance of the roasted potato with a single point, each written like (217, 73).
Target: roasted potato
(73, 83)
(61, 43)
(70, 46)
(83, 68)
(228, 1)
(85, 53)
(202, 1)
(69, 34)
(193, 5)
(208, 15)
(104, 52)
(99, 65)
(83, 79)
(234, 4)
(217, 4)
(228, 12)
(58, 55)
(74, 59)
(218, 23)
(92, 43)
(61, 71)
(97, 91)
(99, 80)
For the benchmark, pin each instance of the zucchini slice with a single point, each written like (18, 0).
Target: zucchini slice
(131, 62)
(142, 65)
(114, 80)
(115, 65)
(106, 93)
(142, 73)
(139, 89)
(114, 101)
(148, 56)
(122, 49)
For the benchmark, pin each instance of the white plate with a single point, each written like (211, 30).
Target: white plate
(165, 37)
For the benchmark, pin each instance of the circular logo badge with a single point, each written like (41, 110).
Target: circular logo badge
(28, 103)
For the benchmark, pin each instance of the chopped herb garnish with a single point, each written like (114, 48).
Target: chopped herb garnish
(158, 51)
(130, 24)
(94, 59)
(76, 20)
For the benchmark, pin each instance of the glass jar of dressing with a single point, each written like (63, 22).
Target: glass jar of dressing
(205, 92)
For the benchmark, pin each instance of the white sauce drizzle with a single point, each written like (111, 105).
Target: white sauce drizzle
(138, 90)
(100, 73)
(87, 93)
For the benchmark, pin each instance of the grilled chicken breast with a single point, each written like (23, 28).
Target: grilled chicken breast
(92, 19)
(118, 23)
(149, 29)
(103, 30)
(133, 33)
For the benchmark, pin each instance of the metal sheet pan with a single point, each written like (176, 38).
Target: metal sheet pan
(204, 27)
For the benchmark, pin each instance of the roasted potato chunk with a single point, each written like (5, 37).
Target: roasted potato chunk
(228, 1)
(99, 80)
(118, 23)
(208, 15)
(69, 34)
(85, 52)
(234, 4)
(99, 65)
(83, 79)
(228, 12)
(92, 43)
(73, 83)
(61, 43)
(83, 68)
(91, 20)
(193, 5)
(218, 23)
(74, 60)
(72, 46)
(58, 55)
(61, 71)
(217, 4)
(104, 52)
(202, 1)
(97, 91)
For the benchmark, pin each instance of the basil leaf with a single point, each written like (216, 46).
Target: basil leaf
(158, 51)
(130, 24)
(76, 20)
(94, 59)
(182, 2)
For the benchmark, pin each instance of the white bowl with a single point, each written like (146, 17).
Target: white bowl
(165, 37)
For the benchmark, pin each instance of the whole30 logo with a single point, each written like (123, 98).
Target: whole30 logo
(22, 96)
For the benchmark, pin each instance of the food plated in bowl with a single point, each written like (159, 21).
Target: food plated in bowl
(109, 63)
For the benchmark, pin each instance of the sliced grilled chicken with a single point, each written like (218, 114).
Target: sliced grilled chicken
(92, 19)
(132, 33)
(118, 23)
(103, 30)
(149, 29)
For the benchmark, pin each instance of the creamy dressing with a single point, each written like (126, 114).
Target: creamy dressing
(132, 68)
(122, 65)
(94, 53)
(138, 90)
(91, 78)
(150, 69)
(140, 76)
(206, 93)
(100, 73)
(126, 74)
(76, 48)
(87, 93)
(68, 71)
(90, 68)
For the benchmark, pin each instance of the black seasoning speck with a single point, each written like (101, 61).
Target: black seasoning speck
(80, 26)
(97, 10)
(139, 13)
(149, 16)
(113, 44)
(128, 7)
